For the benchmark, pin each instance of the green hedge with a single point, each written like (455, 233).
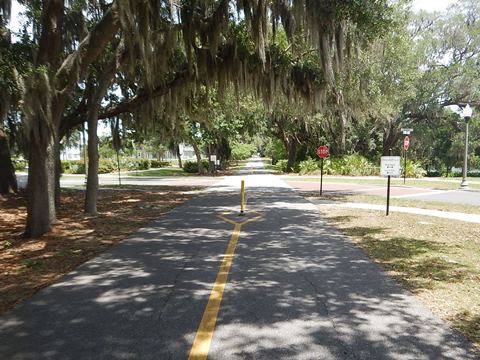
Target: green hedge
(349, 165)
(131, 164)
(19, 165)
(470, 173)
(192, 166)
(414, 169)
(159, 164)
(308, 166)
(73, 167)
(281, 165)
(107, 165)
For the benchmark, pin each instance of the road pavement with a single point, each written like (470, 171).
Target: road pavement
(467, 197)
(296, 289)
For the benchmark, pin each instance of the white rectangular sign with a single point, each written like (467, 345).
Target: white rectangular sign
(390, 166)
(213, 158)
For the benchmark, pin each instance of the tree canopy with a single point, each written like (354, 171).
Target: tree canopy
(346, 73)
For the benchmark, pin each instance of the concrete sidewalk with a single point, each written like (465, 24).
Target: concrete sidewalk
(473, 218)
(297, 289)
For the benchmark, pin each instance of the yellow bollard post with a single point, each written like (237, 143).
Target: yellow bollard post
(242, 198)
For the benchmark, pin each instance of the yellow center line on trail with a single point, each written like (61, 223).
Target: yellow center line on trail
(204, 335)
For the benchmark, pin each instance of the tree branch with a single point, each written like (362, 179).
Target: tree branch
(144, 95)
(88, 51)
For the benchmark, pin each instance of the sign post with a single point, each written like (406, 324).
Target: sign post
(242, 198)
(406, 144)
(389, 166)
(322, 152)
(213, 160)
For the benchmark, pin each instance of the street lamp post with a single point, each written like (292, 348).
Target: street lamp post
(466, 114)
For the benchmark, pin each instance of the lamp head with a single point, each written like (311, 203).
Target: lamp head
(467, 112)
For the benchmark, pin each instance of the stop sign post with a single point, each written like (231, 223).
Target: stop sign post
(322, 152)
(406, 143)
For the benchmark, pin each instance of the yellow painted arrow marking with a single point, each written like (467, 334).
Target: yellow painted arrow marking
(204, 335)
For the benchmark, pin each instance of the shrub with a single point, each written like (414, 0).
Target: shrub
(308, 166)
(159, 164)
(414, 169)
(433, 173)
(470, 173)
(19, 164)
(352, 165)
(281, 165)
(473, 173)
(474, 161)
(106, 166)
(143, 164)
(275, 150)
(73, 166)
(130, 163)
(192, 166)
(357, 165)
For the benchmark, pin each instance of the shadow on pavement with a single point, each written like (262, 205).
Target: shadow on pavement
(297, 290)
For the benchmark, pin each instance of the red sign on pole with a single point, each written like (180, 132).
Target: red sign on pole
(406, 143)
(323, 152)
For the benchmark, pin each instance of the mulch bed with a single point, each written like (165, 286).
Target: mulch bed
(27, 265)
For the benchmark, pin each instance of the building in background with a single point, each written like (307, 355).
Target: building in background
(71, 153)
(186, 153)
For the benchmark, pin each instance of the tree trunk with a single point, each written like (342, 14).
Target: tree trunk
(43, 115)
(211, 164)
(390, 138)
(58, 174)
(42, 119)
(342, 143)
(292, 154)
(198, 155)
(91, 193)
(41, 212)
(179, 157)
(7, 171)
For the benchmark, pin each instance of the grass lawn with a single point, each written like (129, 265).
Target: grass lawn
(153, 172)
(159, 172)
(440, 184)
(436, 259)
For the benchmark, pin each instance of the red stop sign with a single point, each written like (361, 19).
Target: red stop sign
(323, 152)
(406, 142)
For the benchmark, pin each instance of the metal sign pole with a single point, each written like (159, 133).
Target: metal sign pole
(388, 195)
(388, 187)
(321, 177)
(405, 167)
(242, 198)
